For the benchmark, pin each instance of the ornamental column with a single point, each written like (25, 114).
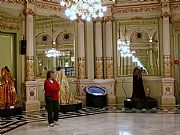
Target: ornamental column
(81, 51)
(109, 49)
(98, 50)
(90, 50)
(31, 101)
(30, 45)
(151, 61)
(167, 81)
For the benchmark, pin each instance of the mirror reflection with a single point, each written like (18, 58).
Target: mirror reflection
(138, 46)
(55, 45)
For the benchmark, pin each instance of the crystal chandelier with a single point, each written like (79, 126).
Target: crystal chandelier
(124, 46)
(124, 50)
(53, 52)
(83, 9)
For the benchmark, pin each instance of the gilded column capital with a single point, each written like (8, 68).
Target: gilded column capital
(30, 76)
(29, 11)
(165, 4)
(79, 20)
(108, 19)
(166, 15)
(98, 20)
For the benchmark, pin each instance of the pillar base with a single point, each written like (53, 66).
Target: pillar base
(111, 99)
(32, 102)
(168, 97)
(32, 105)
(108, 84)
(168, 100)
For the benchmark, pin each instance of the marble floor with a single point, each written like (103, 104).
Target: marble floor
(107, 124)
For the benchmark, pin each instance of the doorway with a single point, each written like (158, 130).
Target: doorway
(8, 52)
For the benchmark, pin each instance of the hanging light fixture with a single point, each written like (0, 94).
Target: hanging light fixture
(83, 9)
(124, 45)
(53, 52)
(124, 50)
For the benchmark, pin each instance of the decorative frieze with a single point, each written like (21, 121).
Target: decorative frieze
(9, 22)
(136, 9)
(14, 1)
(109, 67)
(175, 6)
(81, 68)
(99, 68)
(50, 6)
(30, 76)
(140, 21)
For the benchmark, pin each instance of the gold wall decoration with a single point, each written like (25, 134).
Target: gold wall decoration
(136, 9)
(50, 6)
(9, 22)
(166, 66)
(22, 2)
(166, 15)
(165, 4)
(176, 26)
(109, 67)
(99, 68)
(174, 6)
(140, 21)
(30, 68)
(29, 11)
(98, 20)
(108, 18)
(81, 68)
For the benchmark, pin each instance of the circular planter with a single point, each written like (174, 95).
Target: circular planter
(96, 97)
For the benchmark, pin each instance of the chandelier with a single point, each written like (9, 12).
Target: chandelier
(53, 52)
(83, 9)
(124, 46)
(124, 50)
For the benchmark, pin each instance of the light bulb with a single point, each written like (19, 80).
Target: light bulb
(104, 9)
(83, 17)
(100, 14)
(62, 3)
(88, 19)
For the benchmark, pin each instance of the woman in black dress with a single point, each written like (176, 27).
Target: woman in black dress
(138, 87)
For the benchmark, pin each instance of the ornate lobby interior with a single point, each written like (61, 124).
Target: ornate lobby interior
(99, 44)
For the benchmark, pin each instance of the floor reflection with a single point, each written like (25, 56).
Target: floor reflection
(107, 124)
(124, 133)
